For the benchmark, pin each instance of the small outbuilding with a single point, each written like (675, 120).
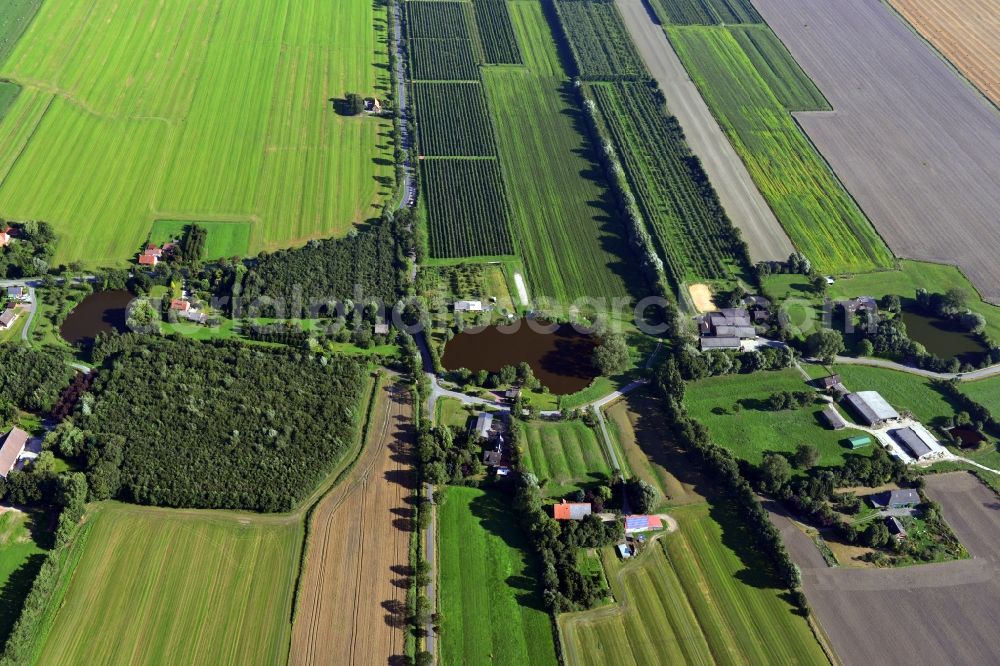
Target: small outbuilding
(895, 527)
(834, 419)
(828, 382)
(624, 550)
(381, 329)
(859, 441)
(468, 306)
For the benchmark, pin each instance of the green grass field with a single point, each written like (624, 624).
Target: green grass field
(20, 557)
(698, 596)
(751, 431)
(451, 412)
(8, 93)
(783, 75)
(224, 239)
(567, 454)
(810, 202)
(488, 593)
(15, 17)
(194, 109)
(163, 585)
(565, 229)
(903, 391)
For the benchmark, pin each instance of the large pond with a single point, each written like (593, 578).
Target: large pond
(101, 312)
(561, 360)
(943, 338)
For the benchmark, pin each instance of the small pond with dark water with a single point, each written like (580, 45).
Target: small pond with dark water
(943, 338)
(560, 359)
(101, 312)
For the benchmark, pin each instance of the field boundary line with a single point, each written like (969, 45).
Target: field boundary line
(27, 141)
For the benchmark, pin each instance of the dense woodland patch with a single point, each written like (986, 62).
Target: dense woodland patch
(182, 423)
(32, 379)
(372, 260)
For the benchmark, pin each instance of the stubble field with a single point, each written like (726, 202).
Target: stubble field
(965, 31)
(198, 109)
(351, 605)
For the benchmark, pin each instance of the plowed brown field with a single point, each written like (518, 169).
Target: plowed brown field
(965, 31)
(352, 596)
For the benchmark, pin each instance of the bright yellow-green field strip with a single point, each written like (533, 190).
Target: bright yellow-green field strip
(812, 205)
(691, 599)
(194, 109)
(565, 224)
(157, 586)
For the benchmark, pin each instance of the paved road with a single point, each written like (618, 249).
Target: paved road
(739, 195)
(32, 310)
(983, 373)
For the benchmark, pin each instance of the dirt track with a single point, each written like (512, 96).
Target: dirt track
(743, 203)
(965, 31)
(914, 143)
(352, 596)
(929, 614)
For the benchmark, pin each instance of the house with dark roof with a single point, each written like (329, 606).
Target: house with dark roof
(904, 498)
(572, 510)
(913, 442)
(10, 451)
(828, 382)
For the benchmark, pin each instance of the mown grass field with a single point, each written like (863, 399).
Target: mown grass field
(223, 239)
(810, 202)
(903, 391)
(488, 595)
(698, 596)
(732, 409)
(566, 454)
(20, 557)
(792, 86)
(155, 585)
(565, 223)
(195, 109)
(15, 17)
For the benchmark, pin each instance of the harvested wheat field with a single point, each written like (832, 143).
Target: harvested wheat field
(965, 32)
(352, 595)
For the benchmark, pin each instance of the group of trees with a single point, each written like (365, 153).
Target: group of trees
(29, 252)
(725, 469)
(693, 364)
(611, 355)
(367, 265)
(447, 457)
(784, 400)
(564, 586)
(887, 335)
(168, 422)
(33, 379)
